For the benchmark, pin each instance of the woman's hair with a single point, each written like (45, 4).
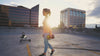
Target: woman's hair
(47, 11)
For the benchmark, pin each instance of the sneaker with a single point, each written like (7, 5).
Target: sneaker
(42, 54)
(52, 52)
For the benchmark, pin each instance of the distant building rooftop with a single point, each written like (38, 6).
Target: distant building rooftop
(14, 6)
(73, 9)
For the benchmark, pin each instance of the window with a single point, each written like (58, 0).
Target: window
(63, 17)
(83, 15)
(74, 13)
(71, 12)
(80, 14)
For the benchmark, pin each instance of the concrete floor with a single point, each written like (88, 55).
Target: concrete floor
(64, 45)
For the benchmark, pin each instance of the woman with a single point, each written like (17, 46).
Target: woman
(46, 31)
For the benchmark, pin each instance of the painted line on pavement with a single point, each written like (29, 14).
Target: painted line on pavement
(28, 50)
(82, 48)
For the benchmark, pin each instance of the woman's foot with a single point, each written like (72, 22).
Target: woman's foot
(42, 54)
(52, 52)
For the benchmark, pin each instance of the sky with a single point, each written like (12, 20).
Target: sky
(90, 6)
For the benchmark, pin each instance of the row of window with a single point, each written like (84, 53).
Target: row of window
(77, 13)
(34, 12)
(34, 15)
(20, 12)
(4, 23)
(20, 15)
(3, 15)
(77, 19)
(34, 22)
(74, 13)
(3, 19)
(15, 17)
(25, 20)
(34, 18)
(73, 17)
(20, 9)
(23, 11)
(75, 22)
(20, 20)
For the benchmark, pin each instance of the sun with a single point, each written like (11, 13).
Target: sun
(52, 22)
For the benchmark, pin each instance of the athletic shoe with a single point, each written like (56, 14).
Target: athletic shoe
(52, 53)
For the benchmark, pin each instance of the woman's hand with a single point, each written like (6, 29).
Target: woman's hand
(43, 35)
(52, 36)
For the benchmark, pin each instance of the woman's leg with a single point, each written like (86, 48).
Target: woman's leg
(52, 50)
(45, 43)
(50, 46)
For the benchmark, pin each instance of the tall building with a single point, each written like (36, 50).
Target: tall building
(18, 16)
(4, 20)
(34, 16)
(74, 18)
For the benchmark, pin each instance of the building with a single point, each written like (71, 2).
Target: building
(4, 20)
(34, 16)
(18, 16)
(74, 18)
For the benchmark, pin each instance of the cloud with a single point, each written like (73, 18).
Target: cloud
(96, 11)
(14, 4)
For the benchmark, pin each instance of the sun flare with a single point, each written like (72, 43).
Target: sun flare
(52, 22)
